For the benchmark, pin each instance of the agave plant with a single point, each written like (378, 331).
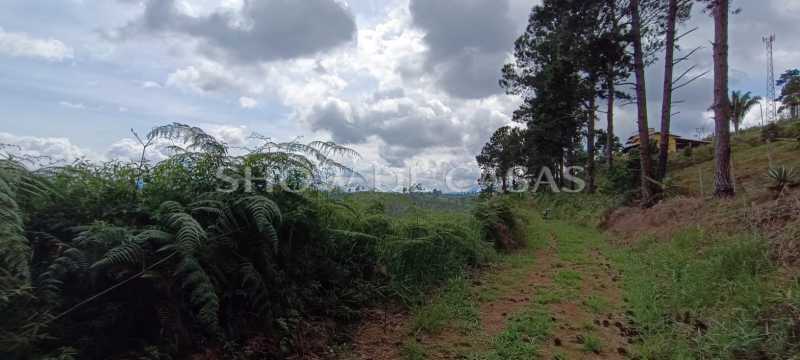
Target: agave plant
(782, 177)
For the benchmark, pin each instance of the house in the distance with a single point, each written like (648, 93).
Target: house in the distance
(676, 143)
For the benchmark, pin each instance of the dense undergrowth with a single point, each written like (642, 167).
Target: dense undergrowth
(96, 266)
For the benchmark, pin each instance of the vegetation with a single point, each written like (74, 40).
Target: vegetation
(704, 296)
(218, 252)
(741, 104)
(96, 266)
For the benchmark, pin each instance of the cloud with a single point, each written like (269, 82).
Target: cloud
(209, 76)
(408, 126)
(255, 31)
(131, 150)
(56, 149)
(468, 42)
(150, 85)
(24, 45)
(71, 105)
(231, 135)
(247, 102)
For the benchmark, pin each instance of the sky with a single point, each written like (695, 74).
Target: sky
(410, 84)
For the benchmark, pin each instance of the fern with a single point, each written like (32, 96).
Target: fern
(256, 289)
(14, 247)
(190, 235)
(100, 235)
(264, 214)
(202, 296)
(196, 139)
(128, 253)
(73, 262)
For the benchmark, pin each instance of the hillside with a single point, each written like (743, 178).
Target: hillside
(752, 158)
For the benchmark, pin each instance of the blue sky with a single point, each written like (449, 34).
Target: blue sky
(405, 82)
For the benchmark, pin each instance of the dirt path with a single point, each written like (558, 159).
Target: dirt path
(559, 299)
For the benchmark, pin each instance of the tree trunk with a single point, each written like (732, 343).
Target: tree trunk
(610, 78)
(641, 102)
(723, 186)
(590, 145)
(666, 106)
(610, 118)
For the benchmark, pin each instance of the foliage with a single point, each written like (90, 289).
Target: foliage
(770, 132)
(502, 153)
(499, 224)
(740, 106)
(548, 72)
(94, 262)
(782, 177)
(790, 92)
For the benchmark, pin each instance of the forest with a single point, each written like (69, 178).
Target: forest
(632, 250)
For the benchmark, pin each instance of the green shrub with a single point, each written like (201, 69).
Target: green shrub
(500, 224)
(781, 177)
(424, 255)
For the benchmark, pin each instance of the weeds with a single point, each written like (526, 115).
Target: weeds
(523, 336)
(591, 344)
(698, 294)
(453, 306)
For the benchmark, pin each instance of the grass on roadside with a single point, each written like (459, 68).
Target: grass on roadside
(704, 296)
(454, 307)
(522, 337)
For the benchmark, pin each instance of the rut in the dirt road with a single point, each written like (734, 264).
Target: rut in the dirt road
(558, 299)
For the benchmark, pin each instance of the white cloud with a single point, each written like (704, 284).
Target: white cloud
(131, 150)
(71, 105)
(150, 85)
(60, 150)
(209, 76)
(24, 45)
(247, 102)
(231, 135)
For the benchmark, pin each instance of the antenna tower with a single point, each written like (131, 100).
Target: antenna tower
(772, 107)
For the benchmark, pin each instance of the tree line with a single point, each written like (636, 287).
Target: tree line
(575, 55)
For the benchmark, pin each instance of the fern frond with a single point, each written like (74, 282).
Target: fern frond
(189, 234)
(100, 234)
(332, 149)
(128, 253)
(264, 214)
(14, 247)
(195, 138)
(171, 207)
(202, 296)
(253, 283)
(72, 262)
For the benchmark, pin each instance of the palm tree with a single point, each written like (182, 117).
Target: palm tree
(740, 106)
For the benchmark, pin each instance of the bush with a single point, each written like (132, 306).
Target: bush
(427, 254)
(771, 132)
(500, 224)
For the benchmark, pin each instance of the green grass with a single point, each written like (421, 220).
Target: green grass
(591, 344)
(596, 304)
(751, 160)
(522, 337)
(453, 307)
(568, 279)
(698, 295)
(413, 351)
